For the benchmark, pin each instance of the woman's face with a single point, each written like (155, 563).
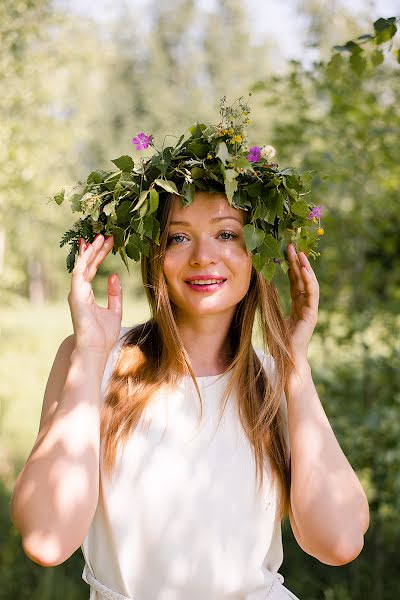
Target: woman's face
(206, 266)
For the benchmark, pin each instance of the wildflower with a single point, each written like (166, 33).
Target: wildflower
(315, 213)
(254, 154)
(320, 231)
(142, 141)
(231, 131)
(238, 138)
(209, 156)
(248, 121)
(268, 152)
(220, 132)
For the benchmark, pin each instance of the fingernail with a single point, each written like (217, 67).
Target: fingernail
(88, 246)
(96, 237)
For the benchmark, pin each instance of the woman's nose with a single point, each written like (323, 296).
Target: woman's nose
(204, 252)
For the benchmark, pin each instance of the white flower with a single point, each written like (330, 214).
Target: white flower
(268, 152)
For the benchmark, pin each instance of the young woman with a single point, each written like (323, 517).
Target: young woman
(171, 451)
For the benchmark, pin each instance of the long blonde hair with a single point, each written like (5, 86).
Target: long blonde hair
(152, 354)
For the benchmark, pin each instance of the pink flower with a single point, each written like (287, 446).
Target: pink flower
(142, 141)
(254, 154)
(316, 213)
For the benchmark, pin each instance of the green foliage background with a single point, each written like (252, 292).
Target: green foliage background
(73, 95)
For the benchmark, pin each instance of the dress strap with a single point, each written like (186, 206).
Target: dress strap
(105, 592)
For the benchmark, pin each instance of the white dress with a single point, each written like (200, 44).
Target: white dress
(180, 518)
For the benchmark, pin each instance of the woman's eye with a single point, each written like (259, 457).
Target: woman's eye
(178, 239)
(228, 235)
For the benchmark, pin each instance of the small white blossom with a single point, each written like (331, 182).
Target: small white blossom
(268, 152)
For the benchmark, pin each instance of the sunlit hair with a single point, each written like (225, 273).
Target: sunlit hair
(152, 355)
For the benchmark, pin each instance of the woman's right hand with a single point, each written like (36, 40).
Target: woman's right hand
(96, 328)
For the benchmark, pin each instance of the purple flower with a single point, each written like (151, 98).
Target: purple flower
(254, 154)
(316, 213)
(142, 141)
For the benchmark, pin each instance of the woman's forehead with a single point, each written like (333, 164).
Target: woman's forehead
(205, 206)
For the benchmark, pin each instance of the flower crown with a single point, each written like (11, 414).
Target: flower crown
(214, 158)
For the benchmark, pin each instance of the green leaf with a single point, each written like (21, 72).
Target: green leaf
(125, 163)
(154, 200)
(59, 197)
(197, 172)
(334, 66)
(254, 189)
(300, 208)
(133, 252)
(188, 190)
(261, 211)
(109, 208)
(156, 231)
(365, 37)
(75, 201)
(358, 63)
(223, 153)
(269, 247)
(268, 271)
(377, 57)
(385, 34)
(241, 199)
(122, 254)
(96, 176)
(118, 235)
(123, 212)
(257, 261)
(243, 163)
(199, 150)
(142, 199)
(253, 236)
(169, 186)
(284, 265)
(231, 185)
(349, 47)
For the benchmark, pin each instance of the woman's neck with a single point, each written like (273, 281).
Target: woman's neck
(207, 343)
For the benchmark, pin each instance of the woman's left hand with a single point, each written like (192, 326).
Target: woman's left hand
(304, 291)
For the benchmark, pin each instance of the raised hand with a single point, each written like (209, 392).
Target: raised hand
(96, 328)
(304, 291)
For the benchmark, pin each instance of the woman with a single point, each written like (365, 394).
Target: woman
(188, 507)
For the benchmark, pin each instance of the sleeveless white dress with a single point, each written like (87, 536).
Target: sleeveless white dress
(180, 518)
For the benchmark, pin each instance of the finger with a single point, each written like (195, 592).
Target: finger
(306, 263)
(81, 263)
(312, 291)
(101, 248)
(294, 268)
(115, 294)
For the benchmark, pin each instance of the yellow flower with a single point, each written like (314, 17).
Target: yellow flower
(315, 220)
(231, 131)
(238, 138)
(320, 231)
(248, 121)
(209, 156)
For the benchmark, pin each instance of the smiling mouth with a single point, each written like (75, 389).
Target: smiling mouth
(205, 285)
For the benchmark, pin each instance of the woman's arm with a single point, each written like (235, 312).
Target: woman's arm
(56, 493)
(329, 507)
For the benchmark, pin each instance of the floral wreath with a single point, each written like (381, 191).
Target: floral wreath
(215, 158)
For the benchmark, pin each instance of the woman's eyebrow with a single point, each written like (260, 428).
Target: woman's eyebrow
(214, 220)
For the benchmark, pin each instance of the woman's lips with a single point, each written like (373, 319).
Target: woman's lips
(205, 285)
